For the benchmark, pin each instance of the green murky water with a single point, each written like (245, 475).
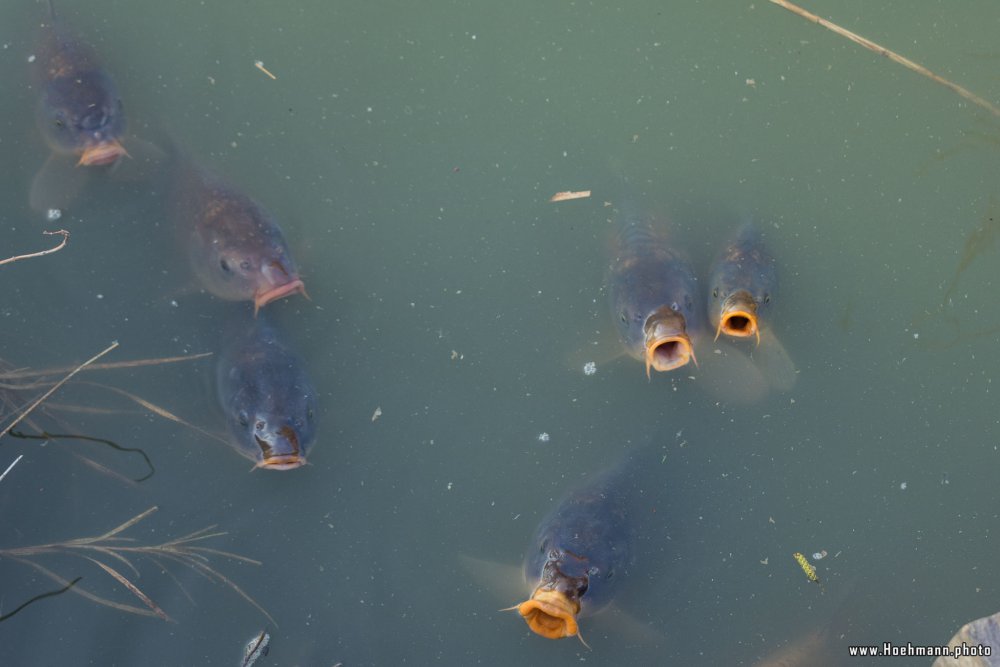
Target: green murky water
(408, 150)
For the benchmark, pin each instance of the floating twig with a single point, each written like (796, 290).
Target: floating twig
(891, 55)
(259, 64)
(13, 463)
(62, 244)
(569, 194)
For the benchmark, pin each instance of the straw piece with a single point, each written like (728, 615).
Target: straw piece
(891, 55)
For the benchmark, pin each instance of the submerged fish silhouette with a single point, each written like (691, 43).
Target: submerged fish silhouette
(651, 287)
(742, 284)
(235, 247)
(578, 555)
(268, 400)
(79, 112)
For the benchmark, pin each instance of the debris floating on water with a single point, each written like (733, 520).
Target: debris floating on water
(256, 647)
(53, 214)
(543, 437)
(11, 466)
(806, 567)
(259, 64)
(589, 368)
(569, 194)
(377, 413)
(819, 555)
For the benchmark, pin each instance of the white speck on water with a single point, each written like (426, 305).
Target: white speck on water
(589, 368)
(100, 296)
(543, 437)
(916, 335)
(53, 214)
(902, 486)
(450, 485)
(174, 304)
(31, 58)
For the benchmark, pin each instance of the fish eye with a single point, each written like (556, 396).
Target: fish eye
(59, 123)
(245, 265)
(244, 419)
(767, 298)
(610, 574)
(224, 265)
(715, 293)
(674, 306)
(259, 425)
(624, 319)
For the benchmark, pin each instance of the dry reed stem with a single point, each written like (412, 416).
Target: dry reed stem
(156, 410)
(11, 466)
(56, 386)
(891, 55)
(112, 545)
(136, 363)
(57, 248)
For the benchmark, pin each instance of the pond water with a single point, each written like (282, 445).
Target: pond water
(408, 151)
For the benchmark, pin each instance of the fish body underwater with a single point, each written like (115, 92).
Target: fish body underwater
(267, 398)
(652, 288)
(79, 112)
(743, 282)
(579, 554)
(235, 247)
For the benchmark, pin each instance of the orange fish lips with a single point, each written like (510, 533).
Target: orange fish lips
(285, 462)
(738, 317)
(280, 451)
(668, 345)
(105, 152)
(550, 614)
(264, 297)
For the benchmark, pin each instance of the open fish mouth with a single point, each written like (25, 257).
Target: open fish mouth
(286, 462)
(667, 344)
(262, 298)
(738, 317)
(550, 614)
(106, 152)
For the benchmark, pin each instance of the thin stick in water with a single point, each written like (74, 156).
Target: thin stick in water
(14, 463)
(56, 386)
(61, 232)
(891, 55)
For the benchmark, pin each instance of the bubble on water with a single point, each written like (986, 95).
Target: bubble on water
(589, 368)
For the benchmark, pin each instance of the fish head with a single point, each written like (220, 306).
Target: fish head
(738, 314)
(83, 116)
(555, 603)
(249, 264)
(666, 341)
(276, 436)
